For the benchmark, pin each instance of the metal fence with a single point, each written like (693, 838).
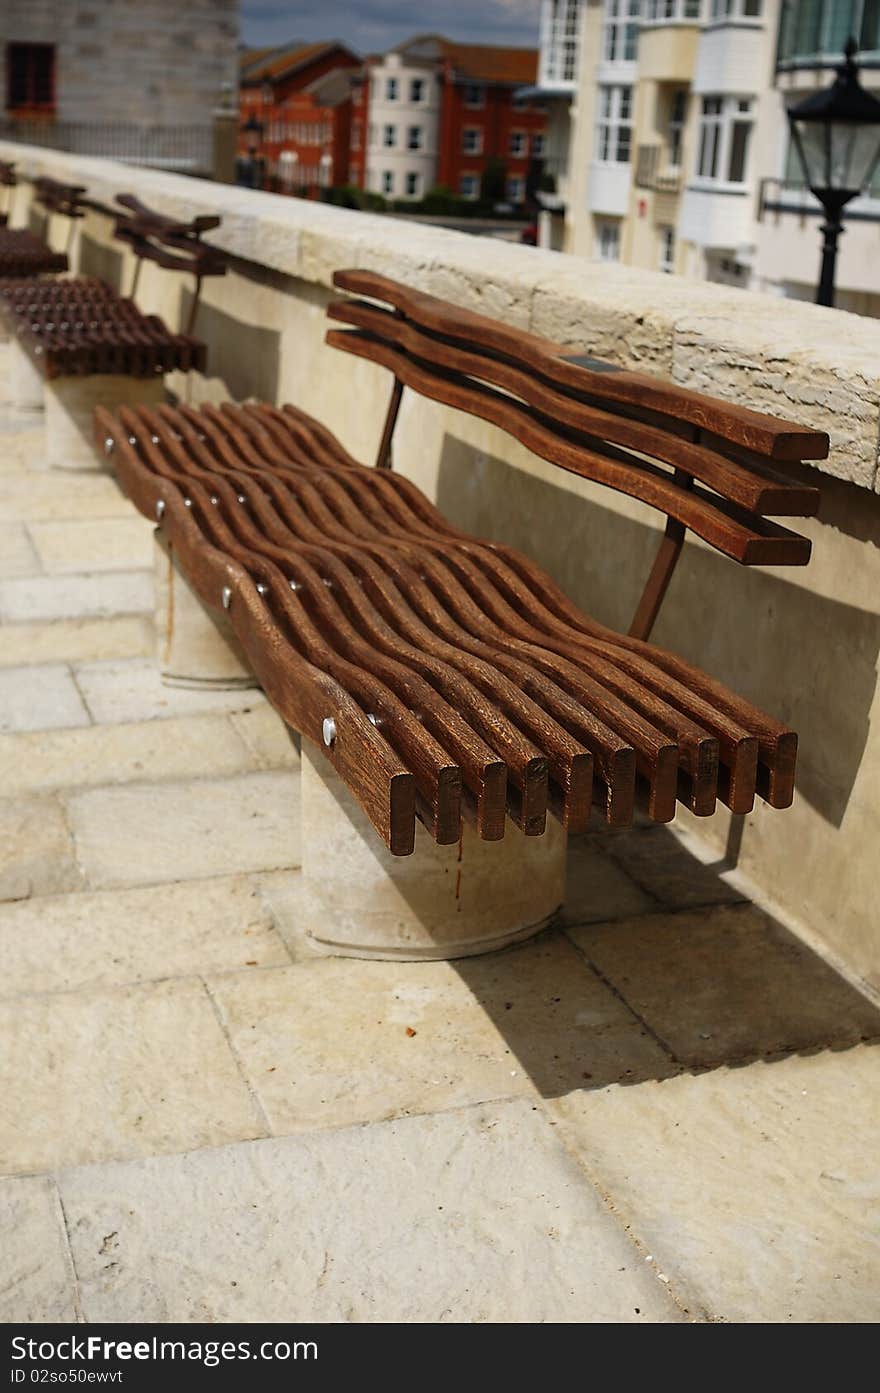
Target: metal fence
(184, 148)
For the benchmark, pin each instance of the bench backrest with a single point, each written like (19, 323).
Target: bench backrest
(55, 197)
(173, 245)
(707, 464)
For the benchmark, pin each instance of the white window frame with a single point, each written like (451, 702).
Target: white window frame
(413, 177)
(387, 182)
(392, 89)
(672, 11)
(620, 31)
(475, 95)
(560, 49)
(415, 138)
(474, 147)
(722, 10)
(719, 116)
(472, 178)
(519, 145)
(417, 90)
(607, 244)
(675, 127)
(614, 123)
(389, 130)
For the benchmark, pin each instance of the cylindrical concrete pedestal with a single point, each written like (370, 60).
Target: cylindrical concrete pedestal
(194, 647)
(26, 384)
(359, 901)
(70, 404)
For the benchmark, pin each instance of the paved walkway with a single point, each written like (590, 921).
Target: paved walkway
(666, 1110)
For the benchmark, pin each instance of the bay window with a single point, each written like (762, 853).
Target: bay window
(614, 126)
(723, 139)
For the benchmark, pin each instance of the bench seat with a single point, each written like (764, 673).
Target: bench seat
(24, 254)
(444, 675)
(72, 328)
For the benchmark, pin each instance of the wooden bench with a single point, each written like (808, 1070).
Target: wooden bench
(80, 342)
(449, 682)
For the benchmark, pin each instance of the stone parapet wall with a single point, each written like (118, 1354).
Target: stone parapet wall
(804, 643)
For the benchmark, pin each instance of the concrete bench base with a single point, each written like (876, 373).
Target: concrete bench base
(70, 402)
(442, 902)
(194, 648)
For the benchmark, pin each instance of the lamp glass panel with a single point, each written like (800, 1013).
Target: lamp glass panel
(853, 154)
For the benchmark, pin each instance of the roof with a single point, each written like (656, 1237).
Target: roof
(476, 62)
(275, 63)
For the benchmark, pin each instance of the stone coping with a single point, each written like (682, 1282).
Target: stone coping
(796, 360)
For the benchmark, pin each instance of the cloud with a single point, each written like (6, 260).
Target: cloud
(373, 25)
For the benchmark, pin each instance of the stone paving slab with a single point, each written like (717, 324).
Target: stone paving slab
(183, 747)
(272, 744)
(36, 849)
(672, 874)
(332, 1042)
(17, 557)
(77, 640)
(166, 1080)
(44, 497)
(757, 1187)
(39, 699)
(94, 544)
(752, 987)
(37, 1279)
(153, 833)
(597, 888)
(112, 938)
(474, 1215)
(118, 693)
(41, 599)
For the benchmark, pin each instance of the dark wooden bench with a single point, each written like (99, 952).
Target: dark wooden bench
(80, 326)
(444, 675)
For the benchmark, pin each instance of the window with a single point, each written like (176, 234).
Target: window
(519, 145)
(475, 94)
(469, 186)
(417, 90)
(812, 28)
(736, 9)
(412, 184)
(391, 89)
(608, 239)
(675, 127)
(472, 140)
(662, 11)
(666, 260)
(414, 138)
(516, 189)
(389, 137)
(539, 146)
(30, 76)
(620, 35)
(614, 126)
(724, 137)
(388, 181)
(560, 22)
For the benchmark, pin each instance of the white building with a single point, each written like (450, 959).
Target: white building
(678, 151)
(404, 120)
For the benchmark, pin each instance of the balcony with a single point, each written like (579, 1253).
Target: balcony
(652, 173)
(210, 1120)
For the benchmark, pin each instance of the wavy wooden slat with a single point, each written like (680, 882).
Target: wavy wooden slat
(766, 435)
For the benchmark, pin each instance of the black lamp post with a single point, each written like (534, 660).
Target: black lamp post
(836, 133)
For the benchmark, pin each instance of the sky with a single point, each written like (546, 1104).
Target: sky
(375, 25)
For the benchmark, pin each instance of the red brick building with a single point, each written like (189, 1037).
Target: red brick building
(482, 118)
(295, 117)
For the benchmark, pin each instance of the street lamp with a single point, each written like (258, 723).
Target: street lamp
(836, 133)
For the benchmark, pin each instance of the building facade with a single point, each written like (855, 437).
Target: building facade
(295, 113)
(445, 114)
(678, 154)
(90, 75)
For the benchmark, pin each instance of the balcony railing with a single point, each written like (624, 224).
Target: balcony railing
(651, 174)
(793, 196)
(186, 148)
